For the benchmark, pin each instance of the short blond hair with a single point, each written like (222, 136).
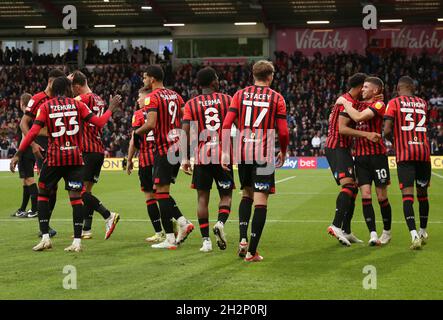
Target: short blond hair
(262, 70)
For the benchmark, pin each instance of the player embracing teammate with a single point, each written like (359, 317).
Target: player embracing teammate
(371, 161)
(338, 153)
(64, 117)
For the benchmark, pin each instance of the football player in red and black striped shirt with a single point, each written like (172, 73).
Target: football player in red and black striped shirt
(205, 113)
(40, 145)
(146, 151)
(164, 116)
(259, 111)
(338, 153)
(407, 117)
(371, 161)
(93, 153)
(63, 118)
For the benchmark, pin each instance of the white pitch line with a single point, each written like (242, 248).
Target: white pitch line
(437, 175)
(193, 220)
(285, 179)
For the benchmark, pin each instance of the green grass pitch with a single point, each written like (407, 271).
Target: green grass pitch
(301, 260)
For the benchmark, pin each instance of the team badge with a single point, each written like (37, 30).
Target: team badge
(133, 119)
(378, 105)
(147, 101)
(38, 113)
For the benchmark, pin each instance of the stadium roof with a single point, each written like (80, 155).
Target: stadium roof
(155, 13)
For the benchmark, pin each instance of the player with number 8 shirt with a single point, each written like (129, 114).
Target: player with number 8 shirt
(202, 122)
(407, 117)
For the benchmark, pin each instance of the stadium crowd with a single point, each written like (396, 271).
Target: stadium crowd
(134, 55)
(309, 86)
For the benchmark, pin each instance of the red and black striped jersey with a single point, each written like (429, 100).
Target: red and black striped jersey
(335, 139)
(363, 146)
(64, 119)
(208, 111)
(147, 144)
(92, 135)
(257, 109)
(168, 105)
(34, 104)
(410, 117)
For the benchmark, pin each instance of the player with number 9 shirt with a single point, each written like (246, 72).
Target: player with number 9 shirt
(163, 107)
(407, 117)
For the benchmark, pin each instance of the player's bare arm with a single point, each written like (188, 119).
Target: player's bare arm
(149, 125)
(131, 153)
(24, 126)
(387, 129)
(115, 103)
(356, 115)
(186, 163)
(29, 138)
(344, 129)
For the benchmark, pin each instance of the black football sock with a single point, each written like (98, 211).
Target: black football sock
(176, 213)
(244, 215)
(52, 199)
(349, 215)
(87, 219)
(223, 213)
(386, 213)
(369, 214)
(204, 227)
(92, 202)
(25, 198)
(257, 225)
(43, 213)
(343, 204)
(408, 210)
(166, 206)
(77, 216)
(423, 206)
(154, 215)
(33, 194)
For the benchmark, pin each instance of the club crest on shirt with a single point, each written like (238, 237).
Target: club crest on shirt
(147, 101)
(38, 112)
(378, 105)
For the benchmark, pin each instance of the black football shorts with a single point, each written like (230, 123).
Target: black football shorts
(373, 168)
(145, 177)
(205, 174)
(93, 166)
(164, 171)
(414, 171)
(251, 175)
(341, 163)
(26, 165)
(50, 176)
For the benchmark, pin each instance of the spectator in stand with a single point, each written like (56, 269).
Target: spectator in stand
(316, 144)
(4, 148)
